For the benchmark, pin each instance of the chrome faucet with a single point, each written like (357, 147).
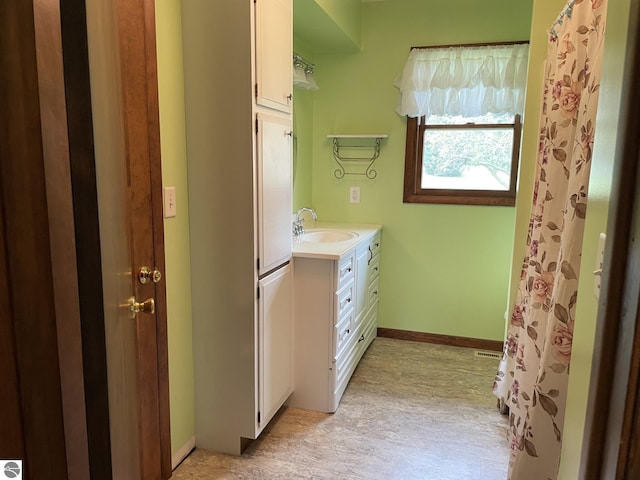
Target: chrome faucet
(298, 227)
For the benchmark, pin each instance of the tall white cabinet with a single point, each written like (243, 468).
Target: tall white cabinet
(237, 66)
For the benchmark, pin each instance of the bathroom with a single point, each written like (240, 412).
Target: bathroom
(440, 264)
(433, 254)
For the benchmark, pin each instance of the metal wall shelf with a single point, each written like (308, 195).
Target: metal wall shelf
(346, 148)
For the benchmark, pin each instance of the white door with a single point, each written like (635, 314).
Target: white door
(274, 191)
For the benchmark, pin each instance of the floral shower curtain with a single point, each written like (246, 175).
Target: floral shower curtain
(533, 374)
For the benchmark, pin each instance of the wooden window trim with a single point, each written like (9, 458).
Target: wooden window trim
(413, 193)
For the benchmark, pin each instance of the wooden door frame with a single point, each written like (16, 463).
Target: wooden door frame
(39, 305)
(54, 400)
(612, 431)
(87, 234)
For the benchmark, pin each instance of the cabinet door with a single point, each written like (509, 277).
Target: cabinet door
(275, 342)
(362, 282)
(274, 54)
(274, 191)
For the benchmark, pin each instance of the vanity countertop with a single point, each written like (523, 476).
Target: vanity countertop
(333, 250)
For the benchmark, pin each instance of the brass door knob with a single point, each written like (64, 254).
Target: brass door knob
(148, 306)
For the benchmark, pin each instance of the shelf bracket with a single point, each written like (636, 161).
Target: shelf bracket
(346, 150)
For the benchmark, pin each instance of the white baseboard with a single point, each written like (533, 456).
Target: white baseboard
(182, 452)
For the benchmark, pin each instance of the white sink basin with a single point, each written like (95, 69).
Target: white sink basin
(327, 236)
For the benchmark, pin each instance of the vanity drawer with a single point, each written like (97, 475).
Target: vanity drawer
(374, 244)
(373, 292)
(374, 268)
(346, 268)
(342, 334)
(344, 302)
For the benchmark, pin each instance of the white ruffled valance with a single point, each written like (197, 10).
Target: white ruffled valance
(467, 81)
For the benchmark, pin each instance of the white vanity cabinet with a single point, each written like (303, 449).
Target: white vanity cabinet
(237, 74)
(335, 316)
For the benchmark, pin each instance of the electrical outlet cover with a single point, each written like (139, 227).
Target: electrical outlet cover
(354, 195)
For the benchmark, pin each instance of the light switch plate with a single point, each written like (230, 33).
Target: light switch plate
(170, 202)
(597, 273)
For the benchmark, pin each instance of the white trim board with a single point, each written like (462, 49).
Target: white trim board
(183, 452)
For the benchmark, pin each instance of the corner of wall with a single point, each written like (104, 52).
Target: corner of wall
(347, 15)
(329, 25)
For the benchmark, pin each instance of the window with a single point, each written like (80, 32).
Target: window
(462, 160)
(463, 105)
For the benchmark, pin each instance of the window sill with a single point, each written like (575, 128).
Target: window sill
(489, 200)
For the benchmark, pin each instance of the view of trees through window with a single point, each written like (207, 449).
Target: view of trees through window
(470, 156)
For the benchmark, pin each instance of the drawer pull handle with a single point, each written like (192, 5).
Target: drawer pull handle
(375, 269)
(375, 292)
(344, 334)
(345, 302)
(377, 244)
(361, 338)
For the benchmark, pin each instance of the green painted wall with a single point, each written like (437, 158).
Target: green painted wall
(176, 230)
(302, 147)
(598, 204)
(445, 268)
(302, 136)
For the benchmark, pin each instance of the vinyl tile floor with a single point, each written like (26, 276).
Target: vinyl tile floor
(412, 411)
